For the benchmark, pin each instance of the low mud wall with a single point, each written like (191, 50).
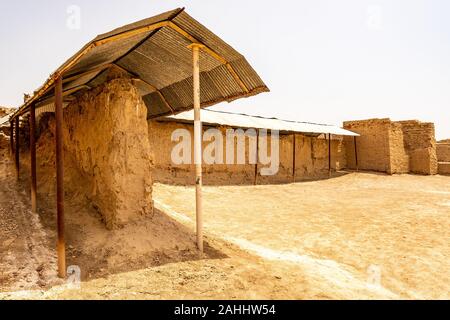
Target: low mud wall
(443, 155)
(311, 159)
(444, 168)
(443, 152)
(107, 153)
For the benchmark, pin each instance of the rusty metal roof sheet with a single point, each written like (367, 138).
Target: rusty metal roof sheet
(155, 52)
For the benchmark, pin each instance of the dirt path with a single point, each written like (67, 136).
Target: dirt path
(26, 261)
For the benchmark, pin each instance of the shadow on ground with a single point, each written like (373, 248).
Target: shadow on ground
(147, 242)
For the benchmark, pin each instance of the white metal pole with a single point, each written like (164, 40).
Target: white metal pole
(197, 146)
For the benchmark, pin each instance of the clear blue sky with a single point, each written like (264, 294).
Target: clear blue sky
(324, 60)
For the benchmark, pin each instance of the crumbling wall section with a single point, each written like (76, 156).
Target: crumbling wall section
(372, 146)
(105, 131)
(392, 147)
(398, 157)
(443, 156)
(420, 144)
(443, 152)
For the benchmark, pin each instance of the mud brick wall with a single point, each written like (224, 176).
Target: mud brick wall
(444, 168)
(443, 152)
(372, 144)
(420, 144)
(398, 155)
(311, 159)
(393, 147)
(105, 132)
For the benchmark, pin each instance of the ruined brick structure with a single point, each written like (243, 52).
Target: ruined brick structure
(106, 151)
(443, 155)
(393, 147)
(311, 160)
(105, 129)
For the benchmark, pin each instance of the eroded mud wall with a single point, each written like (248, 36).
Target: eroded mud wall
(311, 159)
(393, 147)
(420, 144)
(443, 156)
(372, 144)
(443, 152)
(106, 140)
(398, 156)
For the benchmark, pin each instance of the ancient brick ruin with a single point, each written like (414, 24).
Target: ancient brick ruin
(393, 146)
(443, 156)
(311, 159)
(106, 151)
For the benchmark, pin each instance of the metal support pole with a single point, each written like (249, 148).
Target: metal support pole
(61, 248)
(257, 159)
(329, 154)
(11, 138)
(16, 150)
(33, 156)
(356, 153)
(293, 157)
(197, 145)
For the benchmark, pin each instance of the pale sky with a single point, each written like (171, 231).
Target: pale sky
(325, 61)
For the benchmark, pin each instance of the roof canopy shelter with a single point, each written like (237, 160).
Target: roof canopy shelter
(156, 52)
(235, 120)
(168, 56)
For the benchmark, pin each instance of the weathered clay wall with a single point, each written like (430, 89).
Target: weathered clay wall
(420, 144)
(372, 146)
(444, 168)
(311, 159)
(392, 147)
(398, 156)
(443, 156)
(105, 134)
(443, 152)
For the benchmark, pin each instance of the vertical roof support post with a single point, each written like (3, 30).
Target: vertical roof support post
(33, 156)
(329, 155)
(11, 139)
(61, 248)
(293, 157)
(16, 150)
(356, 153)
(257, 158)
(197, 145)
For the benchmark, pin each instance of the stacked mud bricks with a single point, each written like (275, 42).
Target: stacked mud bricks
(393, 146)
(443, 155)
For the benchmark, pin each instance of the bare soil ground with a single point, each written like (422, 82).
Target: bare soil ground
(312, 240)
(346, 228)
(26, 257)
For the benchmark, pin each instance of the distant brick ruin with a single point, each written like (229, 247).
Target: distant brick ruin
(393, 146)
(443, 156)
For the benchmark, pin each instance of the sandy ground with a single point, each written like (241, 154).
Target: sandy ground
(330, 239)
(26, 258)
(354, 227)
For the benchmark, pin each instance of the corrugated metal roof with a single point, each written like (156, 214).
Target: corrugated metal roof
(155, 51)
(4, 119)
(211, 117)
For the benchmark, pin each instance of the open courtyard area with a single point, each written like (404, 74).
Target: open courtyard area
(358, 235)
